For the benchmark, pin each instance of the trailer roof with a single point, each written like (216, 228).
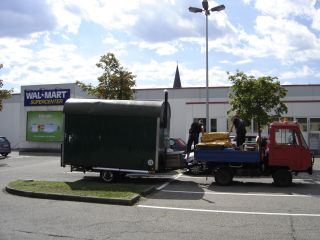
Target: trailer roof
(114, 107)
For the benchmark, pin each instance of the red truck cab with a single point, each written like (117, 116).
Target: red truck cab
(288, 149)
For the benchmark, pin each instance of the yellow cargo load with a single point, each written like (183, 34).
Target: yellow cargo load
(214, 136)
(215, 144)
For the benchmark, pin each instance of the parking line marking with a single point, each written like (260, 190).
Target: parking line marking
(19, 157)
(265, 178)
(238, 194)
(167, 183)
(231, 212)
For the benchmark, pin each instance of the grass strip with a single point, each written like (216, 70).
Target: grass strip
(82, 188)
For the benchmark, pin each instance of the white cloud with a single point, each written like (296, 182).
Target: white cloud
(305, 71)
(140, 18)
(225, 61)
(255, 73)
(291, 8)
(154, 73)
(242, 62)
(284, 39)
(67, 15)
(288, 40)
(53, 63)
(247, 1)
(160, 48)
(116, 46)
(285, 8)
(316, 19)
(279, 32)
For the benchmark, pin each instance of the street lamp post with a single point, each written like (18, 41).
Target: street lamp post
(207, 11)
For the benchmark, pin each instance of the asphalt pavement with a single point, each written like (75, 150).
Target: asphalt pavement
(182, 207)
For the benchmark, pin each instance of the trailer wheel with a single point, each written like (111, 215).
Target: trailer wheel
(282, 178)
(108, 176)
(223, 176)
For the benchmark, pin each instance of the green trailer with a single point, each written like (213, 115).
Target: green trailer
(117, 137)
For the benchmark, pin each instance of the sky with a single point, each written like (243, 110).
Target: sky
(60, 41)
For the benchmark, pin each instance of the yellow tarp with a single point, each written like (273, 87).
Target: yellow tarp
(215, 139)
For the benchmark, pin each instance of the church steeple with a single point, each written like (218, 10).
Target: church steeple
(177, 82)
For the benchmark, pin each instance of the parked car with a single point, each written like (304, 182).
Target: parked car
(5, 147)
(177, 144)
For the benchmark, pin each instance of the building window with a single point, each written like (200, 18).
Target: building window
(213, 125)
(303, 124)
(314, 124)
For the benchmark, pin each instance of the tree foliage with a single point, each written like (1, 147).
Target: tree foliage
(115, 82)
(4, 94)
(258, 99)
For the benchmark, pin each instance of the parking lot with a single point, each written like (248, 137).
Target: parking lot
(183, 207)
(256, 196)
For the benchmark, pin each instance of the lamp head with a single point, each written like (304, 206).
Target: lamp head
(195, 10)
(205, 5)
(217, 8)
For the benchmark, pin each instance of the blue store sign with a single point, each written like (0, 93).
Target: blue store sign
(46, 97)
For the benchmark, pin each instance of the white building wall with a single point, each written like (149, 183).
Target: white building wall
(10, 120)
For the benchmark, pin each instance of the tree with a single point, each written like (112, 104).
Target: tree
(258, 99)
(115, 82)
(4, 94)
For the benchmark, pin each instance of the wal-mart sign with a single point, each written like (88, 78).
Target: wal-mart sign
(45, 97)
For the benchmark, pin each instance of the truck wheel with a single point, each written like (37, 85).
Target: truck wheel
(223, 176)
(195, 169)
(282, 178)
(107, 176)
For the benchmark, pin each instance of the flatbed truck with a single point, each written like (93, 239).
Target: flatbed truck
(282, 154)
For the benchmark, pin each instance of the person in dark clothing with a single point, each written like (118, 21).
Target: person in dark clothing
(194, 132)
(240, 127)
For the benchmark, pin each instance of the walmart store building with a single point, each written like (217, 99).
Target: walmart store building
(33, 119)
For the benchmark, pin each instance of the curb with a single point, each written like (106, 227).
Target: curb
(63, 197)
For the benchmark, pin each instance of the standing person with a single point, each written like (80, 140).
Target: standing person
(240, 127)
(194, 132)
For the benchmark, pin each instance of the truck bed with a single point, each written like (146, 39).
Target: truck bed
(227, 155)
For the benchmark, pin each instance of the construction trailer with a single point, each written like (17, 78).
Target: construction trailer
(117, 137)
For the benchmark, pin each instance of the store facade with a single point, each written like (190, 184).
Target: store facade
(33, 120)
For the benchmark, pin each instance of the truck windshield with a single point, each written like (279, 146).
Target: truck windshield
(286, 136)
